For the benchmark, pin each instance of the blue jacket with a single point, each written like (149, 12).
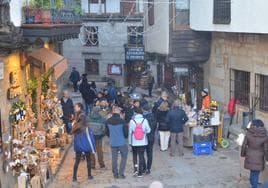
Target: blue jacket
(176, 118)
(145, 126)
(84, 141)
(117, 130)
(75, 76)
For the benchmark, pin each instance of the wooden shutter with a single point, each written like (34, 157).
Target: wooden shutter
(151, 12)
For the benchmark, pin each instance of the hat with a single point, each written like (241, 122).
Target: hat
(257, 123)
(205, 90)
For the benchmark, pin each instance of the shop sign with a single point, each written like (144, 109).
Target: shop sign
(1, 70)
(114, 69)
(135, 53)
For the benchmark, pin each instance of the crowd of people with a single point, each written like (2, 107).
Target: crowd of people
(129, 121)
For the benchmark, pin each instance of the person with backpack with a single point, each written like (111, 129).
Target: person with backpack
(88, 94)
(84, 142)
(147, 114)
(117, 131)
(138, 129)
(176, 118)
(97, 124)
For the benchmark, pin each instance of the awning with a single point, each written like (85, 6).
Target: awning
(51, 60)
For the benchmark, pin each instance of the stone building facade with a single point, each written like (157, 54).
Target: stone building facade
(234, 54)
(112, 38)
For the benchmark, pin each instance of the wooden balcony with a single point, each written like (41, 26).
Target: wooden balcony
(50, 25)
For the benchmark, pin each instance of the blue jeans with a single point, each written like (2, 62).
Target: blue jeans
(89, 108)
(254, 178)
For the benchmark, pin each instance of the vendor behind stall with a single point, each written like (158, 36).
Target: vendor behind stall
(206, 99)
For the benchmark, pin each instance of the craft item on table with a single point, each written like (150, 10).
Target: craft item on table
(22, 179)
(204, 117)
(36, 182)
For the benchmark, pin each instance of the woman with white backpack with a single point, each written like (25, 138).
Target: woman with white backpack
(138, 130)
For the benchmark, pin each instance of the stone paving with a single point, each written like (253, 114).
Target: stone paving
(221, 170)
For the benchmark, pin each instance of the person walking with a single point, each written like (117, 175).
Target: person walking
(176, 118)
(68, 110)
(147, 114)
(150, 83)
(163, 128)
(97, 124)
(84, 142)
(255, 150)
(138, 129)
(88, 94)
(75, 78)
(112, 93)
(117, 131)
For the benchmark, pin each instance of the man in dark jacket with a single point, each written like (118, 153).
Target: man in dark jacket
(68, 110)
(255, 150)
(112, 93)
(117, 130)
(147, 114)
(75, 78)
(97, 124)
(88, 94)
(176, 118)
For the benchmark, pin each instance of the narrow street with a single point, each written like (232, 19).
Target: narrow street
(221, 170)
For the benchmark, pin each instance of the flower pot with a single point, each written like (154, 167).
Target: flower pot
(46, 16)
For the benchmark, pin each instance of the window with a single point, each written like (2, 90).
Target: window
(151, 12)
(135, 35)
(105, 6)
(222, 12)
(240, 86)
(91, 36)
(262, 91)
(92, 66)
(182, 12)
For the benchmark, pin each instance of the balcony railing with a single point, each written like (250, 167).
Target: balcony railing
(50, 16)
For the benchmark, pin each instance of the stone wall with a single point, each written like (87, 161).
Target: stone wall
(112, 38)
(247, 52)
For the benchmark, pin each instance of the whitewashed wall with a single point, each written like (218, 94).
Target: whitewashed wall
(16, 12)
(247, 16)
(156, 37)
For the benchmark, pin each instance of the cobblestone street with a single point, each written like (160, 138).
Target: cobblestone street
(221, 170)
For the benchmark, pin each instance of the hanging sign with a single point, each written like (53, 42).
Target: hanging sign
(135, 53)
(1, 70)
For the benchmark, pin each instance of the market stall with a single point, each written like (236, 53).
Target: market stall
(202, 127)
(37, 142)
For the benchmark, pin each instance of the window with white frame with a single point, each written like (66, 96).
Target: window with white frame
(182, 12)
(91, 36)
(104, 6)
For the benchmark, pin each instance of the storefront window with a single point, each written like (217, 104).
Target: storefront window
(262, 90)
(182, 12)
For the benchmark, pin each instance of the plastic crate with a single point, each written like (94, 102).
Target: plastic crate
(202, 148)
